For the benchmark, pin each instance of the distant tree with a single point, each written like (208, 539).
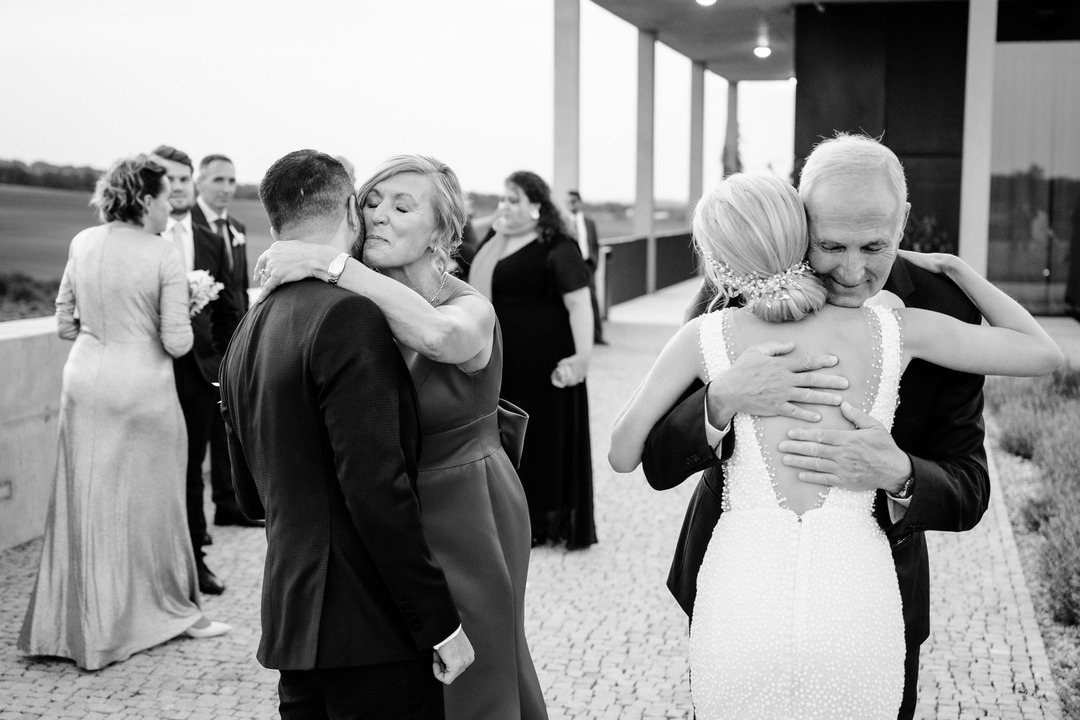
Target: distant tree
(41, 174)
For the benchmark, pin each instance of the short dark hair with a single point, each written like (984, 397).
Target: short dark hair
(119, 192)
(304, 185)
(205, 162)
(168, 152)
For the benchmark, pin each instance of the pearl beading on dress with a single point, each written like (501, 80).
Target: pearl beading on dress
(797, 617)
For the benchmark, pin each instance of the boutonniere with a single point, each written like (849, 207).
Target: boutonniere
(237, 237)
(202, 290)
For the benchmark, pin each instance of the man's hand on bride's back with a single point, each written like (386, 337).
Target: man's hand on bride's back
(768, 379)
(863, 458)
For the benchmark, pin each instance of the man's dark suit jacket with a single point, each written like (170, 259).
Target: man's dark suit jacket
(214, 325)
(238, 278)
(324, 435)
(939, 424)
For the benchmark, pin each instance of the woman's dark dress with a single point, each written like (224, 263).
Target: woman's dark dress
(556, 464)
(476, 522)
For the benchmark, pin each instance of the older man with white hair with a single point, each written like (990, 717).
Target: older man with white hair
(930, 473)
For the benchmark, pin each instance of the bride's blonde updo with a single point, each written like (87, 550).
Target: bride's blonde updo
(751, 233)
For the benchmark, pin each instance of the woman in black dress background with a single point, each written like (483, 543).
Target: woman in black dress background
(532, 270)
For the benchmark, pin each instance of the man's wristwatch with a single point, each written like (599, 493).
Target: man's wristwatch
(905, 490)
(335, 268)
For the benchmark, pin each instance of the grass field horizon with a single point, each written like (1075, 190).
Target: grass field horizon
(37, 224)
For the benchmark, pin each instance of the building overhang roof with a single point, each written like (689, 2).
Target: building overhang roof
(723, 36)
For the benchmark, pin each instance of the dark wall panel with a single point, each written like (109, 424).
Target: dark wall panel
(625, 271)
(894, 70)
(840, 63)
(675, 259)
(924, 90)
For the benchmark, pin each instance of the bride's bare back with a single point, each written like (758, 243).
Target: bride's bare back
(847, 333)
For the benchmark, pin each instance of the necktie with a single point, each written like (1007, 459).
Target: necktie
(223, 230)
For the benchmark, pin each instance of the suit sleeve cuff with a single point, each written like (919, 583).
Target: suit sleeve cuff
(452, 636)
(713, 436)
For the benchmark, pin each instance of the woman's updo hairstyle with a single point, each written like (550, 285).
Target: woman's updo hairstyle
(119, 192)
(751, 233)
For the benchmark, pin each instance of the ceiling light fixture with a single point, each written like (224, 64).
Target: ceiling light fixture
(763, 50)
(706, 3)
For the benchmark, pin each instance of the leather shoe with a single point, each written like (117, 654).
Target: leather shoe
(235, 517)
(213, 629)
(208, 582)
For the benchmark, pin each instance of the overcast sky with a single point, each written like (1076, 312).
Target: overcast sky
(469, 81)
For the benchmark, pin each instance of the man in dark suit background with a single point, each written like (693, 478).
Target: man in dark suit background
(213, 326)
(216, 185)
(324, 435)
(930, 473)
(589, 244)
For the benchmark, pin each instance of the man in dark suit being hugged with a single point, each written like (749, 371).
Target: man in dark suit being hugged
(324, 434)
(930, 473)
(213, 326)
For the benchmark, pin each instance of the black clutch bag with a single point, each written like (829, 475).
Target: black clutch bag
(512, 422)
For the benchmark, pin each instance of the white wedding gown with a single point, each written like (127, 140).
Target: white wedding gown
(797, 617)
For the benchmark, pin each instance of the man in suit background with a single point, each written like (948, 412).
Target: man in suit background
(589, 244)
(930, 473)
(324, 435)
(213, 326)
(216, 185)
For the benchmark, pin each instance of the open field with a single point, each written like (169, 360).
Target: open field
(37, 224)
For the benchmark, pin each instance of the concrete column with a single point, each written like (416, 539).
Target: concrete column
(646, 101)
(697, 131)
(731, 137)
(567, 97)
(978, 133)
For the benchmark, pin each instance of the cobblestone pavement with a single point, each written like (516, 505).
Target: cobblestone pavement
(608, 639)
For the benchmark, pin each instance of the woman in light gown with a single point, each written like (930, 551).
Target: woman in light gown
(798, 610)
(117, 574)
(474, 510)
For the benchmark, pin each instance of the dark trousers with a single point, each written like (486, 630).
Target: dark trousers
(598, 328)
(911, 684)
(391, 691)
(199, 401)
(221, 485)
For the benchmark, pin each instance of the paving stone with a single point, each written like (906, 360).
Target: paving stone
(607, 638)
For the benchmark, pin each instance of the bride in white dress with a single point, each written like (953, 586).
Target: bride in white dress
(798, 611)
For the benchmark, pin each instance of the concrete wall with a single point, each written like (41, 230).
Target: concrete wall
(32, 361)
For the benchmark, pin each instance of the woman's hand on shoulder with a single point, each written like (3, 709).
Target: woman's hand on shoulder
(290, 260)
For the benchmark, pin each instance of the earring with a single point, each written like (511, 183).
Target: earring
(534, 214)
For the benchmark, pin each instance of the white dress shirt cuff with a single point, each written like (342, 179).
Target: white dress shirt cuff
(713, 436)
(897, 507)
(452, 636)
